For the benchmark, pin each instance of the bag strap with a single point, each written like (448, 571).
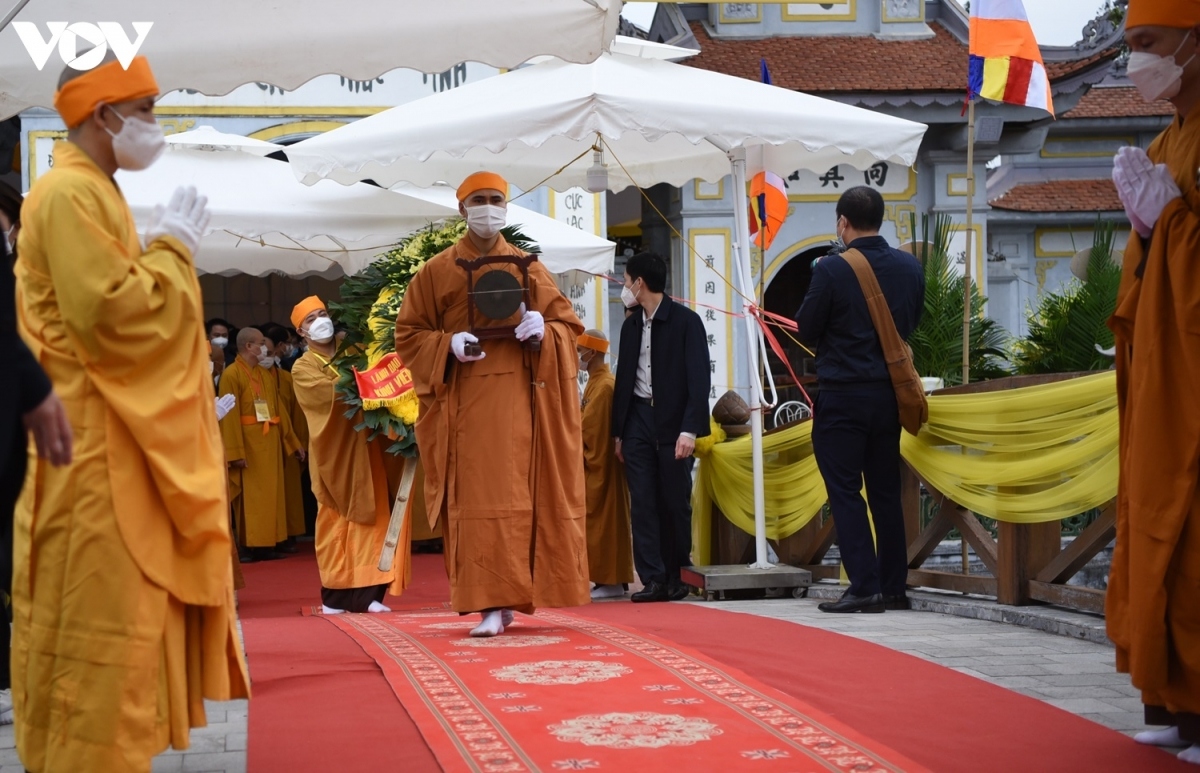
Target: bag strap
(881, 313)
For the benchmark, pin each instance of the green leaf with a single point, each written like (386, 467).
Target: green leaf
(1068, 325)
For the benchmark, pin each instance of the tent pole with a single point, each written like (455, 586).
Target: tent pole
(12, 14)
(746, 282)
(966, 363)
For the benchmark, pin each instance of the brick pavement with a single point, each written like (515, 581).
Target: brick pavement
(1073, 674)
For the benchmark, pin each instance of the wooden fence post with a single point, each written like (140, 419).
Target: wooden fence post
(1024, 550)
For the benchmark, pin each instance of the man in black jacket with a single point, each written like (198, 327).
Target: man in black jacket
(856, 423)
(29, 405)
(660, 407)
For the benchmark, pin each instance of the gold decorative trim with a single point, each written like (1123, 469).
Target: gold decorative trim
(904, 195)
(950, 178)
(756, 20)
(696, 194)
(849, 15)
(34, 136)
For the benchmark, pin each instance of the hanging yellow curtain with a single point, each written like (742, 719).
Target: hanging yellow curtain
(1026, 455)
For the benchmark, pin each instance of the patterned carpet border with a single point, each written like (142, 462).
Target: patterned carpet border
(594, 697)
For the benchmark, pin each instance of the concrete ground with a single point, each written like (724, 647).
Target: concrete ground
(1063, 661)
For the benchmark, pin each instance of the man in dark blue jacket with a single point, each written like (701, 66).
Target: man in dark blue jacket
(660, 407)
(856, 423)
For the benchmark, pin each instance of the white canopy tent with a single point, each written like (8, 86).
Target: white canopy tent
(658, 122)
(216, 46)
(665, 122)
(264, 221)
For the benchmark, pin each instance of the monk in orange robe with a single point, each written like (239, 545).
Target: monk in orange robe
(257, 434)
(609, 536)
(1153, 607)
(277, 343)
(499, 430)
(350, 479)
(123, 610)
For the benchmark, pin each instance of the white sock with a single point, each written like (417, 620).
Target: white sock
(607, 592)
(506, 617)
(492, 625)
(1191, 754)
(1168, 736)
(377, 607)
(330, 610)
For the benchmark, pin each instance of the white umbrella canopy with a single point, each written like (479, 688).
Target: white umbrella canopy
(208, 138)
(218, 45)
(264, 221)
(563, 248)
(664, 122)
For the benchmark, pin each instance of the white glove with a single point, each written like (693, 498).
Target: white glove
(1145, 189)
(532, 325)
(458, 345)
(185, 218)
(225, 405)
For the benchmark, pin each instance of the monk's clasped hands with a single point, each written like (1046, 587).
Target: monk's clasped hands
(1145, 188)
(185, 218)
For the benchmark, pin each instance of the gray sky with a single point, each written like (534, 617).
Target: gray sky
(1055, 22)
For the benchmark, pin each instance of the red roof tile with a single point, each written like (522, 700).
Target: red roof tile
(1062, 196)
(1118, 102)
(853, 64)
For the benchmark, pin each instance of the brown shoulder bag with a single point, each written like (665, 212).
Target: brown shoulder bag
(910, 393)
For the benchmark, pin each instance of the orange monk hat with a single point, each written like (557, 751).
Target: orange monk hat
(110, 84)
(481, 181)
(593, 343)
(1162, 13)
(304, 308)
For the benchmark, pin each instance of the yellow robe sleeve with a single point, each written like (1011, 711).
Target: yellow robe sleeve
(339, 460)
(134, 321)
(597, 418)
(232, 383)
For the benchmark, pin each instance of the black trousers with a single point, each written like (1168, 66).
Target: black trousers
(12, 476)
(856, 438)
(660, 491)
(353, 599)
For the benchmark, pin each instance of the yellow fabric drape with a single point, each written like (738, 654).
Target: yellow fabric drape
(1026, 455)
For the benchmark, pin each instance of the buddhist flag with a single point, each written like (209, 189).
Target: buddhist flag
(768, 207)
(1006, 63)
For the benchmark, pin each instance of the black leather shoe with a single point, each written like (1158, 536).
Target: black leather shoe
(848, 603)
(678, 590)
(655, 591)
(896, 601)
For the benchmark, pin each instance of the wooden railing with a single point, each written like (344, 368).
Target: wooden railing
(1026, 562)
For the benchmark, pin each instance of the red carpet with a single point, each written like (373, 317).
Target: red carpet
(564, 692)
(320, 703)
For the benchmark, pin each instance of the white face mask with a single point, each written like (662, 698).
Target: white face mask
(628, 298)
(220, 342)
(8, 248)
(321, 330)
(1157, 77)
(486, 220)
(138, 144)
(267, 362)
